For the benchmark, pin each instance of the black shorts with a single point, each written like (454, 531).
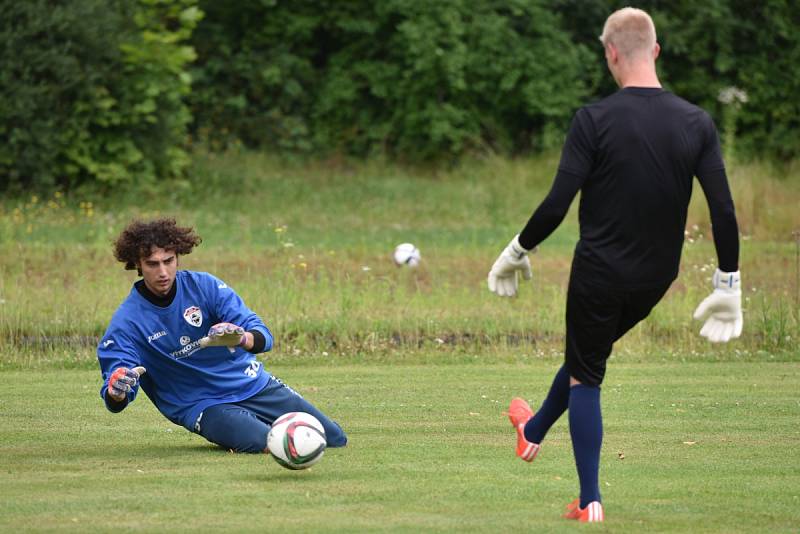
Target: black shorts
(598, 316)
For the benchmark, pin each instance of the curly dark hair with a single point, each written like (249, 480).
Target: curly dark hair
(139, 238)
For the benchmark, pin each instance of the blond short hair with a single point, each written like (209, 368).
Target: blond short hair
(631, 31)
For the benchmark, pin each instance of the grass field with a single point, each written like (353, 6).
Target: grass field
(418, 365)
(696, 447)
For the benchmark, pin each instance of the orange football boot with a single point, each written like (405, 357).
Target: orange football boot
(593, 513)
(519, 412)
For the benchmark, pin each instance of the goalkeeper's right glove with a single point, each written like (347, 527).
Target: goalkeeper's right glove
(503, 278)
(722, 309)
(123, 380)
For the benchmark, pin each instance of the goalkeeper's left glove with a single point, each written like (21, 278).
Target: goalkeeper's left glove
(223, 335)
(503, 278)
(722, 308)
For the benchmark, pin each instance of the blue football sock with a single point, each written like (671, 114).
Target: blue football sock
(553, 406)
(586, 429)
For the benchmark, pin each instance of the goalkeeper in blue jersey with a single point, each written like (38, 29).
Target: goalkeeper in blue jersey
(190, 342)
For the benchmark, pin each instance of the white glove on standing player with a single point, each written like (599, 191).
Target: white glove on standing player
(723, 308)
(223, 335)
(123, 380)
(503, 278)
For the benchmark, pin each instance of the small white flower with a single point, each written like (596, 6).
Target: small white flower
(732, 95)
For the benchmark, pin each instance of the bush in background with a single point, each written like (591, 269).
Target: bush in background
(425, 80)
(104, 92)
(415, 80)
(92, 91)
(712, 46)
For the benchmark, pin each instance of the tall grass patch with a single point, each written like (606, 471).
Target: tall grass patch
(308, 246)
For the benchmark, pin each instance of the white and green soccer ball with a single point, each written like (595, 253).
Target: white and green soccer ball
(296, 440)
(406, 254)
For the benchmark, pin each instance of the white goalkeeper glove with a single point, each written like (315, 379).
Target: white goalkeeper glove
(223, 335)
(722, 309)
(503, 278)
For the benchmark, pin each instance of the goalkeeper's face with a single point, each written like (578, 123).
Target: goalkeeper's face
(158, 270)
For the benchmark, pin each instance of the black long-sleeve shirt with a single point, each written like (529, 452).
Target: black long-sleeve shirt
(633, 157)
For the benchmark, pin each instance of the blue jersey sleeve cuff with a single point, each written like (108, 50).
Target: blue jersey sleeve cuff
(112, 405)
(262, 340)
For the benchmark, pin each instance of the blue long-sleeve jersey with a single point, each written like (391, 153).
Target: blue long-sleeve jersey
(183, 379)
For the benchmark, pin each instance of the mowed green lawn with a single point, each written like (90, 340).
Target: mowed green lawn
(689, 447)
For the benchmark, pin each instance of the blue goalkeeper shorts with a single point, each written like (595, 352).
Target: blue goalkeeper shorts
(243, 426)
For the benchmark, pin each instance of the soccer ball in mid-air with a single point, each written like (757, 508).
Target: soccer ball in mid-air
(406, 254)
(296, 440)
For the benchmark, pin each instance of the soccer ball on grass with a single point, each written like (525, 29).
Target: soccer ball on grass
(296, 440)
(406, 254)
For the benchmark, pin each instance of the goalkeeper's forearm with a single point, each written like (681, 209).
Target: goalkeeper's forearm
(723, 218)
(113, 405)
(551, 211)
(247, 341)
(118, 402)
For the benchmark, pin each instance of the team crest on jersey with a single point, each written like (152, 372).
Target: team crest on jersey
(185, 340)
(193, 316)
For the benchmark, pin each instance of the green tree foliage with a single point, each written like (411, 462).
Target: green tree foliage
(91, 91)
(751, 45)
(419, 79)
(413, 79)
(714, 45)
(104, 91)
(256, 77)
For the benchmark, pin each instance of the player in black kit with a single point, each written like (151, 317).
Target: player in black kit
(633, 157)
